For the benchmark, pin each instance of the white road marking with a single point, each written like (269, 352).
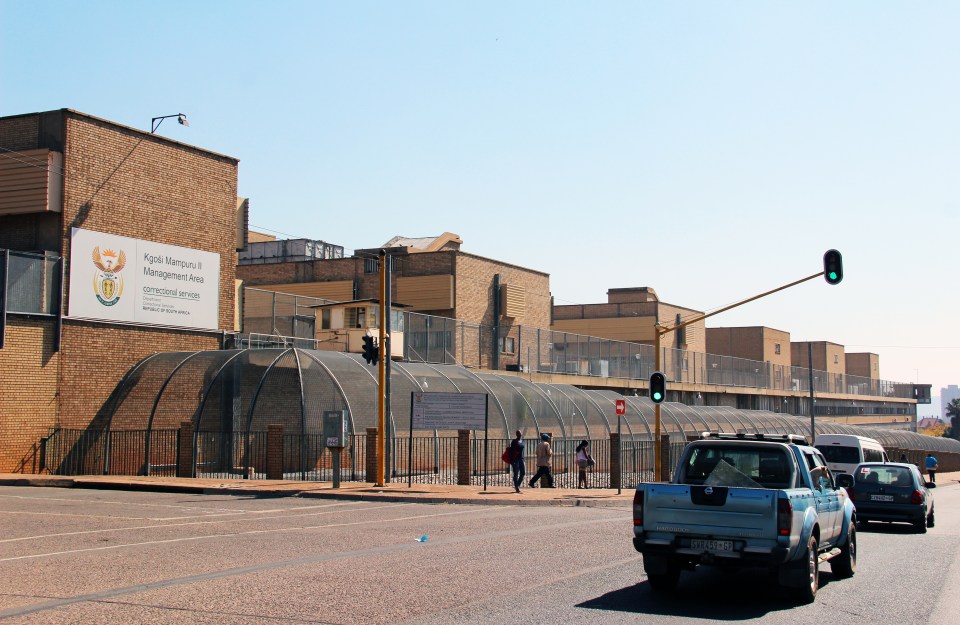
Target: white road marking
(246, 533)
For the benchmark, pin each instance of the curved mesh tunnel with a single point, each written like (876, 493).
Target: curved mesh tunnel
(240, 393)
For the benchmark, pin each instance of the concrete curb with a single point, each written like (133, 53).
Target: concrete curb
(364, 493)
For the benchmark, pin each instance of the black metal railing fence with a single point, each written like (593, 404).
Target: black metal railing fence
(429, 459)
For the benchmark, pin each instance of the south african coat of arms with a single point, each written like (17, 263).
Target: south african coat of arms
(107, 281)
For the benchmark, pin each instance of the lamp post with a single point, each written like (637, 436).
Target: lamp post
(156, 121)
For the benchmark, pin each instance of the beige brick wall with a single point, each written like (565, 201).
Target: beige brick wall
(120, 181)
(753, 343)
(827, 356)
(28, 391)
(864, 364)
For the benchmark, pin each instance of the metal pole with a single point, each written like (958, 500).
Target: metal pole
(385, 340)
(381, 397)
(410, 446)
(486, 441)
(813, 431)
(656, 409)
(336, 466)
(619, 456)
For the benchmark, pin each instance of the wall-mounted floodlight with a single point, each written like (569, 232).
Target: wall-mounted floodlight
(156, 121)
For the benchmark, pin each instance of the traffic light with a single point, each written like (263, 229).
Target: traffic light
(832, 267)
(371, 352)
(658, 387)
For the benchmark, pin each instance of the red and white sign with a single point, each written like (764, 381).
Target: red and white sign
(621, 406)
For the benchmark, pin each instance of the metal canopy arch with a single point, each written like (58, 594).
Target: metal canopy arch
(227, 391)
(508, 394)
(534, 393)
(138, 389)
(314, 356)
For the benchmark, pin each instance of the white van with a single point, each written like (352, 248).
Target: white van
(843, 452)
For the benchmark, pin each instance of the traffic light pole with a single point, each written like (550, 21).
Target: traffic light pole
(660, 331)
(381, 387)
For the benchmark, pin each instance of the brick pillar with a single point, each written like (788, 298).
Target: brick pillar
(275, 452)
(614, 460)
(665, 467)
(185, 466)
(372, 455)
(463, 457)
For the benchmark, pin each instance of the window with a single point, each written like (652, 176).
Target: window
(325, 319)
(836, 359)
(355, 318)
(776, 348)
(507, 344)
(748, 467)
(872, 455)
(372, 265)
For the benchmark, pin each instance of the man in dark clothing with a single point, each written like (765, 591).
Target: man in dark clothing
(544, 457)
(516, 461)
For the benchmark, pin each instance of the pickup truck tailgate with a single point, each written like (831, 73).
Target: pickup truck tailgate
(710, 511)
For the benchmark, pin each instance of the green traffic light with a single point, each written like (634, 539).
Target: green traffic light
(656, 396)
(833, 275)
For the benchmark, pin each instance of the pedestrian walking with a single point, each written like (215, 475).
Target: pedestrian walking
(544, 456)
(516, 460)
(932, 467)
(583, 461)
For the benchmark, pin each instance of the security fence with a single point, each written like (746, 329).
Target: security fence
(282, 320)
(427, 459)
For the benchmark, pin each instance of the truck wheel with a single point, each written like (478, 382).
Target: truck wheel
(807, 592)
(845, 564)
(664, 582)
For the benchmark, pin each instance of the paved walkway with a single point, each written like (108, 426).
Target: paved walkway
(393, 491)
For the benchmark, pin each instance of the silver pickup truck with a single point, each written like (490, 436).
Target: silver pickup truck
(747, 500)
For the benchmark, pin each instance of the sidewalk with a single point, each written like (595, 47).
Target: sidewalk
(358, 491)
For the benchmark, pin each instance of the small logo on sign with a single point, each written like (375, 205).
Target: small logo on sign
(708, 490)
(107, 281)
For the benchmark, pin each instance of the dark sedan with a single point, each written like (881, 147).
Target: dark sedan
(891, 492)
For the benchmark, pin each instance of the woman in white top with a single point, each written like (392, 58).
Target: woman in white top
(583, 460)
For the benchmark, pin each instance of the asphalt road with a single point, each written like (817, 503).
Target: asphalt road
(86, 556)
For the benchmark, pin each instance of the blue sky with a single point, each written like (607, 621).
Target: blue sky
(710, 150)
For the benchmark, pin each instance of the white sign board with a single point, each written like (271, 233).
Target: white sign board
(115, 278)
(449, 411)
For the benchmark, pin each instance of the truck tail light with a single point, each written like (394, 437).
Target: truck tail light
(916, 498)
(784, 517)
(638, 508)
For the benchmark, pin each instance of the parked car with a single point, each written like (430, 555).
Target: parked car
(845, 451)
(892, 492)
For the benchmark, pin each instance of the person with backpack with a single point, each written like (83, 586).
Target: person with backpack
(515, 451)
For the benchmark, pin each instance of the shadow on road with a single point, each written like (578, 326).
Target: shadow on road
(711, 594)
(875, 527)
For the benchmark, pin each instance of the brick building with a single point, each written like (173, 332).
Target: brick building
(430, 275)
(66, 175)
(631, 314)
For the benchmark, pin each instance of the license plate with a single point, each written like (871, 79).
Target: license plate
(711, 545)
(881, 497)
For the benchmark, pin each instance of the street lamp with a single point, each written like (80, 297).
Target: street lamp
(156, 121)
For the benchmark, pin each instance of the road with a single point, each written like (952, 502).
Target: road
(115, 557)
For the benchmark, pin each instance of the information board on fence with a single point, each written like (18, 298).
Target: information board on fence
(448, 411)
